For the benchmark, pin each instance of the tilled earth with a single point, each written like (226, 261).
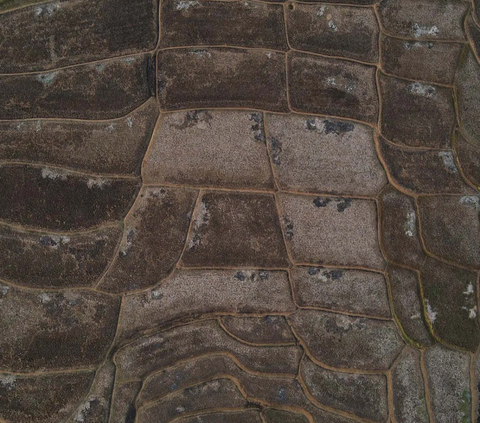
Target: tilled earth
(239, 211)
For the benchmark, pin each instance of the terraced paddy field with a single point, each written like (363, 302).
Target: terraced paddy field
(222, 211)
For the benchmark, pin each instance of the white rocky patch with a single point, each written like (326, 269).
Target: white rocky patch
(47, 78)
(9, 381)
(410, 224)
(448, 160)
(53, 174)
(46, 9)
(431, 314)
(97, 183)
(471, 200)
(45, 298)
(419, 30)
(421, 89)
(321, 11)
(332, 25)
(186, 4)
